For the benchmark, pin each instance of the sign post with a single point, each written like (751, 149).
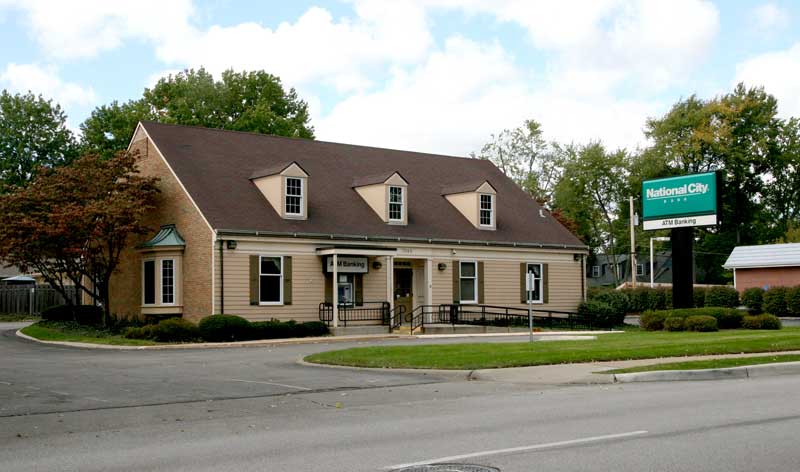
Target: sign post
(528, 287)
(680, 204)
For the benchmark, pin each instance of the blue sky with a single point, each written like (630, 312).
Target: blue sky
(428, 75)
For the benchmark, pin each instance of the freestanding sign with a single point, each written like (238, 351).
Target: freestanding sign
(677, 202)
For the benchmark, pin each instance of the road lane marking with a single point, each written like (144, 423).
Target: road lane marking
(5, 383)
(269, 383)
(95, 399)
(511, 450)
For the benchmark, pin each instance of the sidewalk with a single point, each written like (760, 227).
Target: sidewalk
(563, 374)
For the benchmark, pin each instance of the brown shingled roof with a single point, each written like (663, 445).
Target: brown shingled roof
(216, 165)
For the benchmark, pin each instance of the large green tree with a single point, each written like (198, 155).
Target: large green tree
(244, 101)
(33, 134)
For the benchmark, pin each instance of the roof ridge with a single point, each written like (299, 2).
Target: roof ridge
(293, 138)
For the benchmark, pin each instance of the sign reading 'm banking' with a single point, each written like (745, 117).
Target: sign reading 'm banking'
(674, 202)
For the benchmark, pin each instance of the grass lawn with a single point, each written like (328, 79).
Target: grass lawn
(48, 331)
(708, 364)
(607, 347)
(8, 317)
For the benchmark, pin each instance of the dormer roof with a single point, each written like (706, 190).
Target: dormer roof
(481, 186)
(381, 178)
(275, 169)
(216, 166)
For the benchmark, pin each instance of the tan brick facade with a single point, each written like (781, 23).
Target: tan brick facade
(767, 277)
(173, 206)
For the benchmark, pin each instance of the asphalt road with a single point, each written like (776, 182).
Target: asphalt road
(256, 409)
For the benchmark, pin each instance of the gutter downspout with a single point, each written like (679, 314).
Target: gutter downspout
(221, 278)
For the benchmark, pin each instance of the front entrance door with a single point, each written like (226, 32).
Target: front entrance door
(403, 290)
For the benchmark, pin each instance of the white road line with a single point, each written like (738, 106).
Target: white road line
(95, 399)
(511, 450)
(269, 383)
(5, 383)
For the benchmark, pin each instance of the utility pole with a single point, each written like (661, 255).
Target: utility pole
(633, 247)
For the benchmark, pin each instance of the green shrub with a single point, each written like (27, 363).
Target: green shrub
(312, 328)
(722, 296)
(701, 323)
(602, 314)
(674, 323)
(139, 332)
(699, 295)
(753, 298)
(224, 328)
(272, 329)
(174, 330)
(653, 320)
(89, 315)
(618, 302)
(793, 301)
(763, 321)
(775, 301)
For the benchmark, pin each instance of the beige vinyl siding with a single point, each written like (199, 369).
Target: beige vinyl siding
(375, 281)
(502, 284)
(442, 282)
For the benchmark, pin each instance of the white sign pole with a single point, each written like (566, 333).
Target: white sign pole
(528, 288)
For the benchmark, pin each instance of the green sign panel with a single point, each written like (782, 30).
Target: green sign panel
(673, 202)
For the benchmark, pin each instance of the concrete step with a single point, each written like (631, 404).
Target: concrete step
(359, 330)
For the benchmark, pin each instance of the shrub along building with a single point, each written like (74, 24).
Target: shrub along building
(272, 227)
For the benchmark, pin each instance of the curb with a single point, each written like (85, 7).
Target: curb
(446, 373)
(744, 372)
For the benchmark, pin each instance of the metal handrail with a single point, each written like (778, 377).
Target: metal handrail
(418, 316)
(396, 316)
(366, 311)
(506, 315)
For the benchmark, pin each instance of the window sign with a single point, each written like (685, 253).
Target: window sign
(348, 265)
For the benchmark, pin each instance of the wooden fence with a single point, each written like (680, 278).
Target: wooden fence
(31, 299)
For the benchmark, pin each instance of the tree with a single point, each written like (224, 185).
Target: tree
(33, 134)
(73, 222)
(524, 156)
(590, 194)
(244, 101)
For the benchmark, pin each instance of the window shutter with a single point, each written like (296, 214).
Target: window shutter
(328, 288)
(523, 273)
(545, 284)
(456, 284)
(254, 273)
(480, 283)
(287, 280)
(358, 282)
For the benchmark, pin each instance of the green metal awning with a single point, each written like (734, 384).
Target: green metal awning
(168, 236)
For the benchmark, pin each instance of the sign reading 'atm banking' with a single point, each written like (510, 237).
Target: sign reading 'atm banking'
(674, 202)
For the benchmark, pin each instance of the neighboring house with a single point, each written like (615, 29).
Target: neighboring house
(251, 225)
(600, 269)
(765, 266)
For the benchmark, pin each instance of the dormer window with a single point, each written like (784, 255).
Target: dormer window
(396, 204)
(294, 196)
(487, 210)
(386, 194)
(285, 186)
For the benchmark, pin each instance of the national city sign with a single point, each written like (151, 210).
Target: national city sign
(675, 202)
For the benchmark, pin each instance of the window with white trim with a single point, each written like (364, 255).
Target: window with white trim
(149, 282)
(639, 269)
(468, 282)
(486, 210)
(167, 281)
(294, 196)
(595, 271)
(533, 282)
(270, 280)
(396, 202)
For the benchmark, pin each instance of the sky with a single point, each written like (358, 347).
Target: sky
(426, 75)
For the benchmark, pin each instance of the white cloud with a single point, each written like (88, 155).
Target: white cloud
(769, 18)
(22, 78)
(77, 29)
(459, 95)
(777, 72)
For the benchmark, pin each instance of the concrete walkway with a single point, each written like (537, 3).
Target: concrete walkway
(562, 374)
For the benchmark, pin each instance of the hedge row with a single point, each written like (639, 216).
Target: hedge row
(780, 301)
(223, 328)
(725, 318)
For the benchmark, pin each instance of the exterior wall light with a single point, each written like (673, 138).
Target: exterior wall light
(441, 266)
(231, 244)
(377, 265)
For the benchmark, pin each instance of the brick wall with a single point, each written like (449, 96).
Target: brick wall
(767, 277)
(173, 206)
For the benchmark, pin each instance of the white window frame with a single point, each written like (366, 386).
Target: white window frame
(474, 281)
(640, 270)
(540, 279)
(595, 271)
(261, 257)
(402, 203)
(155, 282)
(300, 197)
(490, 210)
(161, 281)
